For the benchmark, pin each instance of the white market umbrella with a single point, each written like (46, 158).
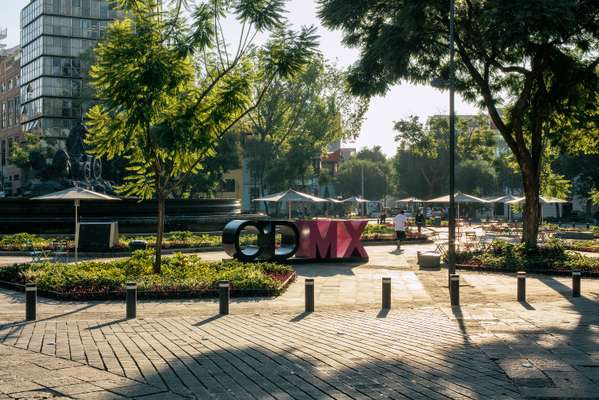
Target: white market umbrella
(290, 196)
(410, 200)
(459, 198)
(505, 199)
(355, 199)
(76, 194)
(542, 200)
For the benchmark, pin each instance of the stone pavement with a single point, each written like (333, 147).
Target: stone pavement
(491, 347)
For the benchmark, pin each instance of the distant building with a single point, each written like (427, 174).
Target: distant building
(10, 130)
(57, 37)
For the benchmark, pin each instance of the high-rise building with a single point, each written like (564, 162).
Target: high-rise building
(10, 131)
(57, 38)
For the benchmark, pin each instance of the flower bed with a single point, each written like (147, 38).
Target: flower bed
(183, 276)
(591, 246)
(375, 232)
(176, 240)
(504, 256)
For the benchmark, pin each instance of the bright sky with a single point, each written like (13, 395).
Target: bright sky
(400, 102)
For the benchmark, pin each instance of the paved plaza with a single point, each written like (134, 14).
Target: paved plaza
(491, 347)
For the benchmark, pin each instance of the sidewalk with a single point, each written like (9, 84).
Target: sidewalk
(492, 347)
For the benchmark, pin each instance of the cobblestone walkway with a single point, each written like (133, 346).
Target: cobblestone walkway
(356, 355)
(492, 347)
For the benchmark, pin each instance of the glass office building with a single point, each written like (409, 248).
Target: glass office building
(57, 37)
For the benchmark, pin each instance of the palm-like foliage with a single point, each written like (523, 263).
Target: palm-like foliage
(170, 89)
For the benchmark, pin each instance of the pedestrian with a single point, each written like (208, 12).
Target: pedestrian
(400, 228)
(383, 216)
(419, 221)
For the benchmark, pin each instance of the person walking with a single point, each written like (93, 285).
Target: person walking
(400, 228)
(419, 221)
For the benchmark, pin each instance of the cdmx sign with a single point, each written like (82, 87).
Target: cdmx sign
(308, 240)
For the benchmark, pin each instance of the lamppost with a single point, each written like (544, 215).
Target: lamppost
(451, 222)
(450, 83)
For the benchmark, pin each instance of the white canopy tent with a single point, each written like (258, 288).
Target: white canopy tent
(76, 194)
(542, 200)
(291, 196)
(459, 198)
(505, 199)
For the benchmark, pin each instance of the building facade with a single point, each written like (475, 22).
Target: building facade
(10, 130)
(57, 39)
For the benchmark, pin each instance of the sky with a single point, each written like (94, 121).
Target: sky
(401, 101)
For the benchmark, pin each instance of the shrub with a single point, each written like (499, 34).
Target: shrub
(515, 257)
(22, 241)
(179, 272)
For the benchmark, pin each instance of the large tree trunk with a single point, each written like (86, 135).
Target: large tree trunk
(531, 212)
(160, 233)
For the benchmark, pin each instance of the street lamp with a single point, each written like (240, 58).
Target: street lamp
(451, 244)
(444, 84)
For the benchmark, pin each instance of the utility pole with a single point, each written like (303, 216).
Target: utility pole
(364, 204)
(452, 221)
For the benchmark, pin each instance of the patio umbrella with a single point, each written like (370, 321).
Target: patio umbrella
(505, 199)
(459, 198)
(542, 200)
(410, 200)
(355, 199)
(290, 196)
(76, 194)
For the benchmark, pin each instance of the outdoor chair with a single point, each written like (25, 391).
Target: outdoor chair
(471, 240)
(60, 251)
(36, 254)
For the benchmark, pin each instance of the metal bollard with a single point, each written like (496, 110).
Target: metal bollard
(522, 286)
(30, 301)
(309, 295)
(576, 283)
(386, 293)
(454, 289)
(131, 300)
(223, 297)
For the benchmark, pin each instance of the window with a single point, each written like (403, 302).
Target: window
(228, 185)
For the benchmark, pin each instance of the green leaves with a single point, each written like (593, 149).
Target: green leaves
(265, 15)
(287, 52)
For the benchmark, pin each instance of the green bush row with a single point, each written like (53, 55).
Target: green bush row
(179, 272)
(518, 257)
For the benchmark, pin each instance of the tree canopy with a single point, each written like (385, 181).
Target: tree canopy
(531, 64)
(170, 90)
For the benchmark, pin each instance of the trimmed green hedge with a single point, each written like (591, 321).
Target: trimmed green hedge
(517, 257)
(179, 273)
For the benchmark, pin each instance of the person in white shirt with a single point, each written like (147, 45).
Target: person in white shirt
(400, 227)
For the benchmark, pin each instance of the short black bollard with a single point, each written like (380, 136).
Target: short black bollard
(224, 291)
(309, 295)
(30, 302)
(454, 289)
(576, 284)
(386, 293)
(522, 286)
(131, 300)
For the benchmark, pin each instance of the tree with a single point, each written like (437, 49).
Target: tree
(349, 178)
(169, 91)
(531, 64)
(422, 157)
(296, 121)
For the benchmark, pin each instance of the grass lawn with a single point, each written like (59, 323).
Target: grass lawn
(182, 276)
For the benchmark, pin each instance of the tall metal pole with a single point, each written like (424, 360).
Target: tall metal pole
(451, 250)
(363, 204)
